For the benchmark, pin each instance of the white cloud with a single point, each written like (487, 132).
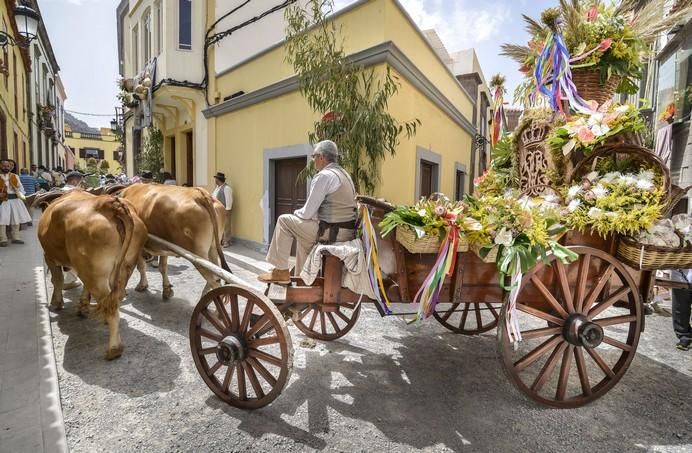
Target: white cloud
(458, 24)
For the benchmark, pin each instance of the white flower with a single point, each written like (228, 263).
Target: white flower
(573, 191)
(647, 175)
(600, 129)
(593, 176)
(573, 205)
(610, 177)
(550, 198)
(644, 184)
(421, 212)
(595, 118)
(622, 108)
(600, 191)
(504, 237)
(628, 180)
(568, 147)
(595, 213)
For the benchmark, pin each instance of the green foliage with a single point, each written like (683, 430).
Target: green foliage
(151, 157)
(354, 99)
(430, 216)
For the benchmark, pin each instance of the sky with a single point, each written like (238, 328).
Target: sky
(84, 39)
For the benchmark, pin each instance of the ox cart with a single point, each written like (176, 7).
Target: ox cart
(580, 322)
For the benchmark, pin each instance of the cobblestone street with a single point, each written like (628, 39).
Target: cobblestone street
(386, 386)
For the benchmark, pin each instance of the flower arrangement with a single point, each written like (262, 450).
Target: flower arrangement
(586, 132)
(668, 114)
(615, 202)
(502, 174)
(608, 37)
(430, 216)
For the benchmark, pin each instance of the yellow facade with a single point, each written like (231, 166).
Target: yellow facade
(14, 118)
(104, 141)
(241, 138)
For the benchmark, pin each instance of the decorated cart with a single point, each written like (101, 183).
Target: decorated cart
(551, 250)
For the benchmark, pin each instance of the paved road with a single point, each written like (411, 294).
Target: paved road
(386, 386)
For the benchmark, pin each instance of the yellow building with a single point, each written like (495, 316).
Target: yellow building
(14, 111)
(103, 145)
(260, 136)
(249, 119)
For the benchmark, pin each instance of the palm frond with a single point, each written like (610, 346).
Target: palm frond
(648, 23)
(515, 52)
(533, 27)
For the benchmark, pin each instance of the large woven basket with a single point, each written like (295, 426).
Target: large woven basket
(491, 257)
(651, 257)
(406, 236)
(589, 86)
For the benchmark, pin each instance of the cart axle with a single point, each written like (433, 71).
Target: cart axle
(579, 331)
(230, 350)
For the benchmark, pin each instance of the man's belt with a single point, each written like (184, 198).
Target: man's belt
(334, 229)
(10, 196)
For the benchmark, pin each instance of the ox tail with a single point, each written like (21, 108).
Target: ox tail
(209, 205)
(122, 215)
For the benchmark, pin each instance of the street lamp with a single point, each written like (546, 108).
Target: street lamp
(27, 20)
(114, 125)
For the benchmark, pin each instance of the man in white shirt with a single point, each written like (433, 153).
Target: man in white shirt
(224, 194)
(330, 207)
(72, 181)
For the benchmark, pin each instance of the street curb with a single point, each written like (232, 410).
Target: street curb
(52, 422)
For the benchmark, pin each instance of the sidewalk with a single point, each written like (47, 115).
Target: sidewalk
(30, 413)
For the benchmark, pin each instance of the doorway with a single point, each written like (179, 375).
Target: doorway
(289, 192)
(189, 161)
(171, 156)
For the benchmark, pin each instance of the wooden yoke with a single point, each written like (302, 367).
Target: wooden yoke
(332, 269)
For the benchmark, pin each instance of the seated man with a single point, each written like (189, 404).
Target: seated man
(329, 213)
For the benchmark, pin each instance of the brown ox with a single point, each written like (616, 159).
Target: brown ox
(187, 217)
(101, 238)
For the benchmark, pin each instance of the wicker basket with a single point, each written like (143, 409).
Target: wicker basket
(406, 236)
(491, 257)
(590, 88)
(651, 257)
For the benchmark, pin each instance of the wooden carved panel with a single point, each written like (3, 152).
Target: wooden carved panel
(534, 159)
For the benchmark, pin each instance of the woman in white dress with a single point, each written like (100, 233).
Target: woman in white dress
(13, 212)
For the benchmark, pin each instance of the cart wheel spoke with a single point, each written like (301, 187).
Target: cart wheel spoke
(259, 393)
(214, 322)
(464, 315)
(492, 310)
(599, 281)
(564, 285)
(236, 349)
(564, 374)
(455, 317)
(223, 314)
(479, 321)
(446, 316)
(583, 373)
(346, 312)
(548, 367)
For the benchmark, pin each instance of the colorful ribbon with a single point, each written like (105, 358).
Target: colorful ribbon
(554, 76)
(497, 123)
(429, 292)
(373, 266)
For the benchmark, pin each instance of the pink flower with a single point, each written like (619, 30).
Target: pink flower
(440, 211)
(605, 45)
(592, 14)
(329, 116)
(585, 135)
(524, 68)
(609, 118)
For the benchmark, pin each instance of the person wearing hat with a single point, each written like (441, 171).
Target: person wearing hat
(146, 177)
(224, 194)
(73, 180)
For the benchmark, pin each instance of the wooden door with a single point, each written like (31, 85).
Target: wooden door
(189, 153)
(3, 137)
(171, 150)
(426, 178)
(289, 192)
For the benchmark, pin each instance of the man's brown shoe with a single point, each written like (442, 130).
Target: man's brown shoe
(280, 276)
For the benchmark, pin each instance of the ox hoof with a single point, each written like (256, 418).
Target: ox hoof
(141, 288)
(56, 306)
(83, 312)
(167, 293)
(114, 353)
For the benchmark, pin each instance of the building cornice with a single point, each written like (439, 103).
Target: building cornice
(386, 52)
(344, 11)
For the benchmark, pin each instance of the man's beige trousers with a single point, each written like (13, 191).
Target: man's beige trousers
(288, 227)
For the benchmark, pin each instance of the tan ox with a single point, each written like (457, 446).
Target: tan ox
(187, 217)
(101, 238)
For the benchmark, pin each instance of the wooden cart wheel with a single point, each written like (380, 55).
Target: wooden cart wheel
(469, 318)
(241, 346)
(315, 322)
(582, 320)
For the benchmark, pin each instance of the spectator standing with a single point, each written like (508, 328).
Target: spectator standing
(58, 177)
(13, 212)
(682, 308)
(29, 182)
(169, 179)
(224, 194)
(44, 177)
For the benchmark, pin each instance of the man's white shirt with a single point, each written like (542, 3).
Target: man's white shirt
(324, 183)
